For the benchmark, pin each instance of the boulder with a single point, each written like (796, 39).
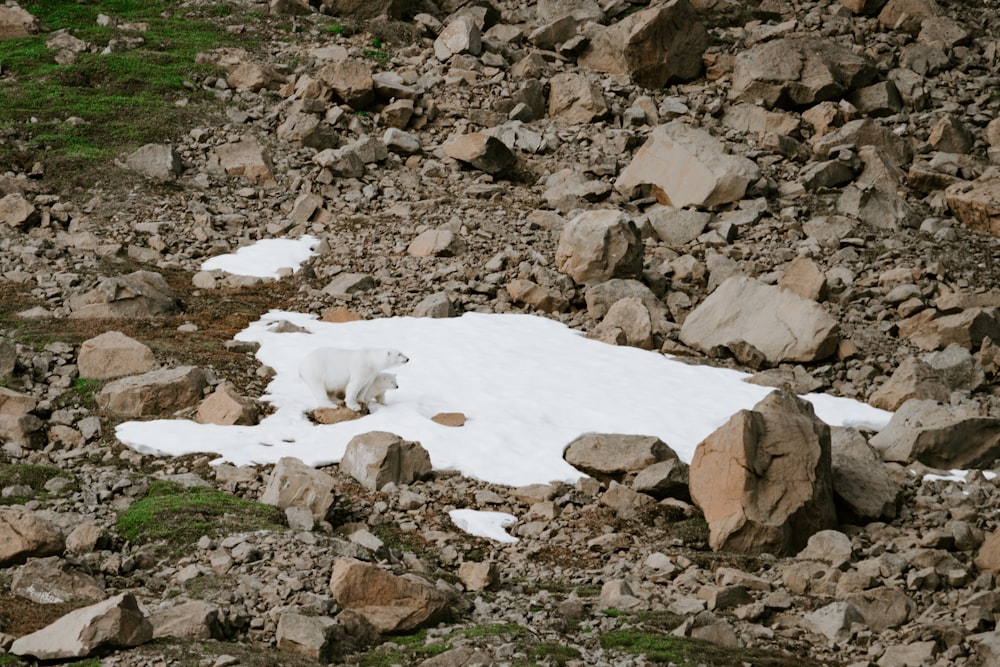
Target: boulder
(907, 15)
(575, 100)
(53, 580)
(829, 546)
(113, 354)
(306, 129)
(481, 151)
(141, 294)
(18, 212)
(24, 535)
(436, 243)
(351, 81)
(315, 637)
(115, 623)
(628, 322)
(157, 161)
(940, 436)
(664, 479)
(611, 456)
(18, 22)
(976, 204)
(884, 607)
(158, 393)
(805, 278)
(780, 324)
(482, 576)
(599, 245)
(763, 479)
(862, 487)
(294, 484)
(247, 158)
(677, 226)
(968, 329)
(685, 166)
(190, 619)
(914, 378)
(391, 603)
(793, 73)
(530, 293)
(657, 46)
(462, 35)
(377, 458)
(834, 621)
(865, 132)
(600, 297)
(878, 207)
(226, 407)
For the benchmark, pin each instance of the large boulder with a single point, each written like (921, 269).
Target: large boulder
(114, 623)
(113, 354)
(763, 479)
(192, 619)
(377, 458)
(862, 486)
(780, 324)
(158, 161)
(52, 580)
(226, 407)
(294, 484)
(793, 73)
(391, 603)
(656, 46)
(481, 151)
(248, 158)
(576, 100)
(940, 436)
(18, 22)
(608, 456)
(158, 393)
(17, 212)
(685, 166)
(977, 204)
(24, 535)
(599, 245)
(140, 294)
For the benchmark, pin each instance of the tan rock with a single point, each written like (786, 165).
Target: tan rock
(453, 419)
(140, 294)
(113, 354)
(351, 81)
(805, 278)
(246, 158)
(479, 576)
(685, 166)
(377, 458)
(341, 413)
(763, 479)
(18, 212)
(294, 484)
(190, 619)
(627, 322)
(115, 623)
(988, 557)
(780, 324)
(610, 456)
(532, 294)
(599, 245)
(340, 314)
(576, 100)
(17, 22)
(158, 161)
(254, 77)
(913, 378)
(977, 204)
(24, 535)
(907, 15)
(391, 603)
(226, 407)
(940, 436)
(158, 393)
(53, 580)
(462, 35)
(656, 46)
(15, 403)
(436, 243)
(481, 151)
(950, 135)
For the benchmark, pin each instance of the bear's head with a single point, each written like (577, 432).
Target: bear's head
(395, 358)
(386, 381)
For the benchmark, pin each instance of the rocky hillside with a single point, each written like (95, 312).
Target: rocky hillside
(806, 191)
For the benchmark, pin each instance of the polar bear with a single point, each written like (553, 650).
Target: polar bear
(331, 371)
(380, 384)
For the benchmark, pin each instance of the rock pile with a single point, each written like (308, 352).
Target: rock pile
(806, 191)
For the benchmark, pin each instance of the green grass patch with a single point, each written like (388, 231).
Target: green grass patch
(86, 390)
(34, 477)
(408, 649)
(125, 99)
(179, 516)
(665, 649)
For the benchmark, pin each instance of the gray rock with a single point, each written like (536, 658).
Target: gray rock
(53, 580)
(156, 393)
(378, 458)
(140, 294)
(193, 619)
(599, 245)
(294, 484)
(158, 161)
(609, 456)
(113, 354)
(861, 484)
(940, 436)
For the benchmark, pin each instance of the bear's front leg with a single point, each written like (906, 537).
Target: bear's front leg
(351, 395)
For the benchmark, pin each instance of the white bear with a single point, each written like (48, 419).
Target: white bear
(380, 384)
(329, 371)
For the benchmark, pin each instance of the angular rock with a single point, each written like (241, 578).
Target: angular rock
(665, 479)
(884, 607)
(656, 46)
(254, 77)
(24, 535)
(321, 638)
(628, 322)
(880, 208)
(805, 278)
(481, 151)
(988, 556)
(532, 294)
(950, 135)
(246, 158)
(865, 132)
(113, 354)
(977, 204)
(347, 284)
(436, 243)
(190, 619)
(294, 484)
(377, 458)
(158, 393)
(392, 604)
(862, 486)
(685, 166)
(18, 212)
(600, 297)
(763, 479)
(53, 580)
(780, 324)
(140, 294)
(792, 73)
(907, 15)
(830, 546)
(968, 329)
(226, 407)
(306, 129)
(575, 100)
(18, 22)
(626, 503)
(115, 623)
(834, 620)
(599, 245)
(677, 226)
(940, 436)
(158, 161)
(462, 35)
(483, 576)
(610, 456)
(435, 305)
(351, 80)
(913, 378)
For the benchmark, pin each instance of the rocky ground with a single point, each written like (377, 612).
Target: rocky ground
(839, 150)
